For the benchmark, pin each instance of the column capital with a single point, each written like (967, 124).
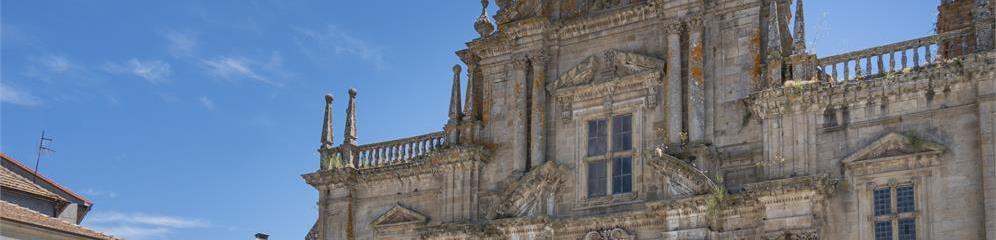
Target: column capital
(694, 23)
(674, 27)
(520, 61)
(539, 57)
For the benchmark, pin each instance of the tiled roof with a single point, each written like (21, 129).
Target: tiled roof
(12, 212)
(47, 180)
(11, 180)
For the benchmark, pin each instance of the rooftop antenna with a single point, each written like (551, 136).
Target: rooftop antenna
(41, 149)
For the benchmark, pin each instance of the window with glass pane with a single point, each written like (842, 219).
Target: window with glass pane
(882, 200)
(596, 178)
(907, 229)
(597, 137)
(904, 199)
(883, 230)
(622, 133)
(622, 175)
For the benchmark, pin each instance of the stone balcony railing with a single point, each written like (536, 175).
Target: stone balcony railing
(910, 54)
(382, 154)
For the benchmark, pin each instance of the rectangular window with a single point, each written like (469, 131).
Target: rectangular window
(904, 199)
(597, 137)
(882, 200)
(597, 178)
(907, 229)
(622, 175)
(622, 133)
(883, 230)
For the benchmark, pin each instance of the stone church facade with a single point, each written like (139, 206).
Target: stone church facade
(683, 119)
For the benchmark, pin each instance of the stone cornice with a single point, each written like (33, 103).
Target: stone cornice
(785, 189)
(443, 160)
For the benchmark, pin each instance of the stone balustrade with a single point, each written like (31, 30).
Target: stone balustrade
(398, 151)
(895, 57)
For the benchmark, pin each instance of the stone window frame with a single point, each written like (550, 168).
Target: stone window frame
(608, 112)
(893, 182)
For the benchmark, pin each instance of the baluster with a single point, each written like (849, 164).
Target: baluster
(847, 70)
(857, 69)
(834, 71)
(904, 61)
(927, 54)
(868, 66)
(881, 65)
(390, 154)
(408, 151)
(916, 56)
(397, 153)
(892, 61)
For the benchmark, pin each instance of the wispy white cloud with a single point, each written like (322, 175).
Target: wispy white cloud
(50, 67)
(97, 193)
(234, 68)
(206, 102)
(153, 71)
(320, 43)
(13, 95)
(138, 226)
(180, 44)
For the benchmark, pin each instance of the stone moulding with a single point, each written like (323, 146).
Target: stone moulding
(398, 218)
(893, 152)
(683, 175)
(458, 156)
(818, 184)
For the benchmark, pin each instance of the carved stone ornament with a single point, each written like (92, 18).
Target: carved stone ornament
(894, 152)
(609, 234)
(398, 217)
(611, 65)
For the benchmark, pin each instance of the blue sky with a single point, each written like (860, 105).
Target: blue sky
(194, 119)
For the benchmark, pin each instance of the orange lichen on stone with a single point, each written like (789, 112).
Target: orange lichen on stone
(755, 48)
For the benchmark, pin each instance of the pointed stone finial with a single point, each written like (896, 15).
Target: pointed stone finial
(468, 102)
(455, 95)
(799, 45)
(350, 131)
(327, 138)
(483, 24)
(774, 45)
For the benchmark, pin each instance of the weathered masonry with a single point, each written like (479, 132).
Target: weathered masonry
(683, 119)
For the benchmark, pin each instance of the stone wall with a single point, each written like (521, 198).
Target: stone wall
(737, 133)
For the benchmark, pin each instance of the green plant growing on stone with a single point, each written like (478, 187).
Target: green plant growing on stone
(335, 161)
(717, 197)
(915, 140)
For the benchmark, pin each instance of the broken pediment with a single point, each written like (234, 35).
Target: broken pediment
(606, 67)
(681, 178)
(399, 215)
(894, 152)
(532, 194)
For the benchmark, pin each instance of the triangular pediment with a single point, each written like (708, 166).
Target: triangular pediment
(894, 145)
(606, 67)
(399, 215)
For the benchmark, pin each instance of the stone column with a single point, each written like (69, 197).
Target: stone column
(696, 84)
(520, 144)
(538, 118)
(673, 82)
(983, 26)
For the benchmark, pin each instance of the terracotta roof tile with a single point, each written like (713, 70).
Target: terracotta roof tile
(46, 179)
(11, 180)
(12, 212)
